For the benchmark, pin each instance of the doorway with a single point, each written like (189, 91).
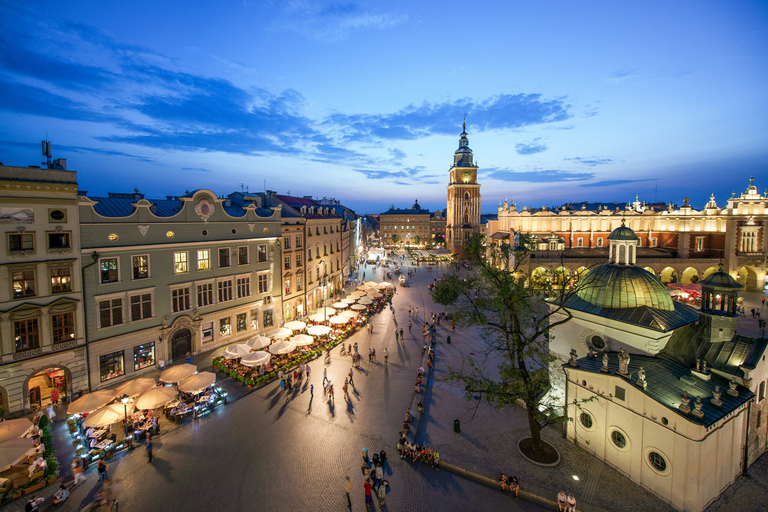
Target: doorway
(181, 343)
(42, 384)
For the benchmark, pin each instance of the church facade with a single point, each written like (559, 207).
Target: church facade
(463, 212)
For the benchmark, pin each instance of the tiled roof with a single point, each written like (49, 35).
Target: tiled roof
(668, 380)
(408, 211)
(297, 202)
(656, 319)
(122, 207)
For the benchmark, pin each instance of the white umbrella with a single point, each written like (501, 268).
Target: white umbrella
(155, 397)
(385, 285)
(371, 283)
(282, 347)
(13, 450)
(349, 300)
(375, 295)
(302, 339)
(237, 351)
(177, 373)
(338, 320)
(366, 301)
(359, 307)
(91, 401)
(349, 314)
(282, 333)
(256, 358)
(328, 311)
(12, 429)
(109, 415)
(340, 305)
(136, 387)
(358, 293)
(319, 317)
(296, 325)
(319, 330)
(258, 342)
(363, 287)
(197, 382)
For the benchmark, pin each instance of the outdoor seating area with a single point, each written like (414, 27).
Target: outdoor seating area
(299, 341)
(27, 459)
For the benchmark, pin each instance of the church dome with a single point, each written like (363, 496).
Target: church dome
(623, 233)
(619, 286)
(416, 206)
(720, 279)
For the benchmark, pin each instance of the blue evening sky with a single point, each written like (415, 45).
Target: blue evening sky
(363, 101)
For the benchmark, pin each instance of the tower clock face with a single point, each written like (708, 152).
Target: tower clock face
(466, 175)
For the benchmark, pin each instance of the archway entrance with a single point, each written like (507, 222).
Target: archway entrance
(710, 270)
(540, 277)
(668, 275)
(690, 275)
(649, 270)
(41, 385)
(747, 277)
(181, 343)
(299, 308)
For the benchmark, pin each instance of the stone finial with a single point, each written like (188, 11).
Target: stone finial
(716, 394)
(623, 362)
(698, 408)
(604, 368)
(732, 388)
(684, 401)
(573, 360)
(641, 382)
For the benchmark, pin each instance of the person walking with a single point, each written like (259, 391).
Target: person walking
(350, 377)
(102, 470)
(78, 471)
(368, 497)
(311, 391)
(397, 335)
(149, 448)
(189, 358)
(409, 325)
(55, 396)
(307, 370)
(330, 395)
(344, 389)
(401, 333)
(386, 355)
(348, 489)
(325, 375)
(373, 354)
(369, 354)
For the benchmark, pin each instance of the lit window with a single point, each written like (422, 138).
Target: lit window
(140, 267)
(169, 234)
(23, 283)
(180, 263)
(61, 279)
(63, 327)
(26, 334)
(109, 270)
(203, 259)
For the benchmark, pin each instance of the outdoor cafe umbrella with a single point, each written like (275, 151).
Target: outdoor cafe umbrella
(359, 307)
(256, 358)
(349, 314)
(109, 415)
(358, 293)
(136, 387)
(338, 320)
(375, 295)
(319, 330)
(13, 451)
(340, 305)
(385, 285)
(328, 311)
(12, 429)
(318, 317)
(91, 401)
(237, 351)
(366, 301)
(258, 342)
(177, 373)
(371, 283)
(155, 397)
(282, 347)
(349, 300)
(363, 287)
(302, 339)
(296, 325)
(282, 333)
(197, 382)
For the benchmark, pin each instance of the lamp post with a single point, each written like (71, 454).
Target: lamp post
(125, 401)
(323, 282)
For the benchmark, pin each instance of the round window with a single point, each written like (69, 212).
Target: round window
(57, 214)
(112, 237)
(266, 230)
(586, 420)
(205, 232)
(598, 342)
(657, 461)
(664, 421)
(169, 234)
(234, 231)
(618, 439)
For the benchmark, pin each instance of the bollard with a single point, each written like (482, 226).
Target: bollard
(448, 340)
(457, 426)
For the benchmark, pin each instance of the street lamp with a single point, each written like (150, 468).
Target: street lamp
(323, 283)
(125, 401)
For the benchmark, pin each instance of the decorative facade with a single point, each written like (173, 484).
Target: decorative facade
(463, 213)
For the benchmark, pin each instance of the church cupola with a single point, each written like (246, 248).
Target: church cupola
(463, 156)
(622, 246)
(719, 302)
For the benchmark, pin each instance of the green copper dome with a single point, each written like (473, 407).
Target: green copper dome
(720, 279)
(612, 286)
(623, 233)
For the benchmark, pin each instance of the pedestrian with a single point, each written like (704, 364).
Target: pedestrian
(32, 504)
(386, 355)
(562, 501)
(397, 335)
(409, 325)
(101, 468)
(330, 394)
(325, 375)
(571, 503)
(356, 348)
(78, 471)
(149, 448)
(308, 371)
(368, 497)
(350, 377)
(55, 396)
(189, 358)
(763, 301)
(453, 327)
(401, 333)
(311, 391)
(348, 489)
(344, 389)
(369, 354)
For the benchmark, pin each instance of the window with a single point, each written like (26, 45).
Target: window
(298, 259)
(654, 241)
(61, 279)
(298, 283)
(242, 324)
(18, 242)
(317, 230)
(180, 299)
(110, 312)
(586, 420)
(620, 393)
(203, 259)
(59, 241)
(263, 285)
(112, 365)
(325, 249)
(268, 318)
(309, 254)
(261, 253)
(243, 287)
(57, 215)
(141, 306)
(225, 290)
(207, 331)
(597, 342)
(337, 245)
(63, 327)
(225, 328)
(143, 356)
(180, 263)
(599, 242)
(298, 241)
(761, 394)
(699, 243)
(140, 266)
(26, 334)
(204, 294)
(109, 270)
(657, 461)
(287, 242)
(618, 439)
(224, 257)
(287, 262)
(288, 286)
(23, 283)
(579, 242)
(242, 255)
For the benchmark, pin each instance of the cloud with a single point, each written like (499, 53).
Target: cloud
(333, 21)
(195, 169)
(530, 148)
(382, 175)
(591, 162)
(610, 183)
(547, 176)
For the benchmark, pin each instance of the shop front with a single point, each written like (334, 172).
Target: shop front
(41, 386)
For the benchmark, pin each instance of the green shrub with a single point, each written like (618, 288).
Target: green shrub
(43, 421)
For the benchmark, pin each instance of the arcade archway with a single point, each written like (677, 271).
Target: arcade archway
(181, 343)
(668, 275)
(747, 277)
(540, 277)
(40, 386)
(690, 275)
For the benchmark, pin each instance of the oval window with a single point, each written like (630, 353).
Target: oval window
(586, 420)
(112, 237)
(234, 231)
(169, 234)
(618, 439)
(598, 342)
(657, 461)
(57, 214)
(205, 232)
(267, 231)
(664, 421)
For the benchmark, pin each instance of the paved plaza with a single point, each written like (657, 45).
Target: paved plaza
(269, 450)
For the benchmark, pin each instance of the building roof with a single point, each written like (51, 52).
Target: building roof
(123, 206)
(667, 381)
(657, 319)
(623, 233)
(297, 202)
(720, 279)
(624, 286)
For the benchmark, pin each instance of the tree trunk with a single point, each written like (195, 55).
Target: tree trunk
(538, 444)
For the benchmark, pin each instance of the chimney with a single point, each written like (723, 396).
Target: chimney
(60, 163)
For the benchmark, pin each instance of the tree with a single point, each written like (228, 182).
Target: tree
(394, 239)
(439, 239)
(417, 239)
(514, 322)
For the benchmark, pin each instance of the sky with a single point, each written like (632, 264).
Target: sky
(363, 101)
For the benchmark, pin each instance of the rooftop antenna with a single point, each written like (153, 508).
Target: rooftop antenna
(46, 144)
(656, 194)
(243, 188)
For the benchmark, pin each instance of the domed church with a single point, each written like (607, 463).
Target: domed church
(669, 395)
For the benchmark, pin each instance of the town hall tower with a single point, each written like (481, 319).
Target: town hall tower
(463, 217)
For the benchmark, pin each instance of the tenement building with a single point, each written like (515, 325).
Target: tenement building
(168, 277)
(463, 213)
(406, 226)
(682, 245)
(42, 332)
